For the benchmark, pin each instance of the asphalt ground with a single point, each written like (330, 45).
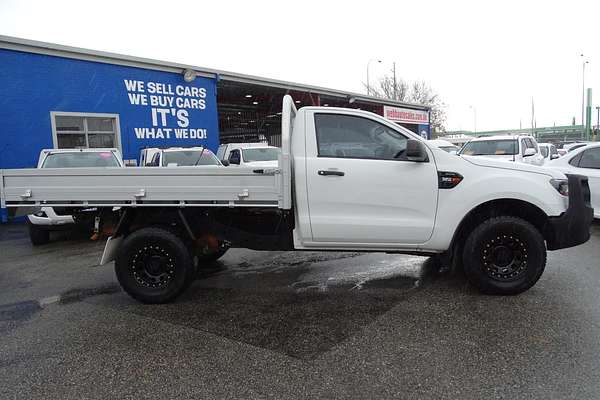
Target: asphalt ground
(294, 325)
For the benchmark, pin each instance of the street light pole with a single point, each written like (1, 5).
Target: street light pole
(368, 84)
(474, 117)
(597, 122)
(584, 62)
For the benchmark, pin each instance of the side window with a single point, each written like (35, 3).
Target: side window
(523, 146)
(575, 160)
(234, 157)
(155, 160)
(590, 159)
(553, 149)
(347, 136)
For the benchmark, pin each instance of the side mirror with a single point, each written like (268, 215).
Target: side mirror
(225, 163)
(415, 151)
(554, 156)
(529, 152)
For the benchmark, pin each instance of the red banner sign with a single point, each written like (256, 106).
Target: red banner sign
(406, 115)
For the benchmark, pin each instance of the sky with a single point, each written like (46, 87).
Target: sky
(488, 60)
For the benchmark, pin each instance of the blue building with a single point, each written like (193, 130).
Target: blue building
(54, 96)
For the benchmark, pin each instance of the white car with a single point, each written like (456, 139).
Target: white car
(549, 151)
(178, 157)
(520, 149)
(583, 161)
(444, 145)
(49, 219)
(249, 154)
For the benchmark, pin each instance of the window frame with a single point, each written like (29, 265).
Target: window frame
(407, 137)
(86, 132)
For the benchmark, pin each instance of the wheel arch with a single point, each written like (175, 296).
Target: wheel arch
(493, 208)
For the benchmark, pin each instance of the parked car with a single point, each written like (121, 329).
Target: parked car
(50, 219)
(444, 145)
(584, 161)
(249, 154)
(548, 151)
(178, 157)
(520, 148)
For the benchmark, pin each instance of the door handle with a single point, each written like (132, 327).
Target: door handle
(328, 172)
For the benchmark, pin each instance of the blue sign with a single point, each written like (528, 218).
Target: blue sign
(154, 108)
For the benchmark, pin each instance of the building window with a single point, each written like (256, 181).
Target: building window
(83, 130)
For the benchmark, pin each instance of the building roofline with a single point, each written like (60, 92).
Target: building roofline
(38, 47)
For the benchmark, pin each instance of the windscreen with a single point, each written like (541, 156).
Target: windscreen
(81, 159)
(260, 154)
(189, 158)
(490, 147)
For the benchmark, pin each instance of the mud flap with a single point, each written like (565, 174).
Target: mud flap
(110, 249)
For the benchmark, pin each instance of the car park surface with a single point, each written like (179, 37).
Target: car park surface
(294, 325)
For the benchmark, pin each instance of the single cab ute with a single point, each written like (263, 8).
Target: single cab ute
(346, 180)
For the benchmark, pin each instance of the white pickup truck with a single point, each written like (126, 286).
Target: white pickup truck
(346, 180)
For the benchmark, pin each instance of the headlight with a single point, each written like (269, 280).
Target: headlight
(561, 185)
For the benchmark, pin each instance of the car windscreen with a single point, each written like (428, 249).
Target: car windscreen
(81, 159)
(544, 150)
(490, 147)
(188, 158)
(260, 154)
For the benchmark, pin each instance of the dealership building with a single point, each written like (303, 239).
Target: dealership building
(55, 96)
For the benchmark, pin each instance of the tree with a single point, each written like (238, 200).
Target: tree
(389, 87)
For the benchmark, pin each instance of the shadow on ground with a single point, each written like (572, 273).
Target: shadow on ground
(268, 309)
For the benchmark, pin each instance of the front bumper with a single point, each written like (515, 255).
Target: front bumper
(573, 226)
(50, 218)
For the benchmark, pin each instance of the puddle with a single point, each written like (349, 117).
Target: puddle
(19, 311)
(372, 270)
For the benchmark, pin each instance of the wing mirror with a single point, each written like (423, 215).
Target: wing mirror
(225, 163)
(529, 152)
(554, 156)
(415, 151)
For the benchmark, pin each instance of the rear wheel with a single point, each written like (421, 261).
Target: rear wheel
(504, 255)
(37, 235)
(154, 265)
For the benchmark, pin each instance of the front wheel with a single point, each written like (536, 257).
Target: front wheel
(154, 266)
(504, 255)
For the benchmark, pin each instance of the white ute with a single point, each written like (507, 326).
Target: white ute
(347, 180)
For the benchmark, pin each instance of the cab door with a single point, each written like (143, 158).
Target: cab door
(361, 190)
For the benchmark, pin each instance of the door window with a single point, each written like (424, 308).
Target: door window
(234, 157)
(346, 136)
(590, 159)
